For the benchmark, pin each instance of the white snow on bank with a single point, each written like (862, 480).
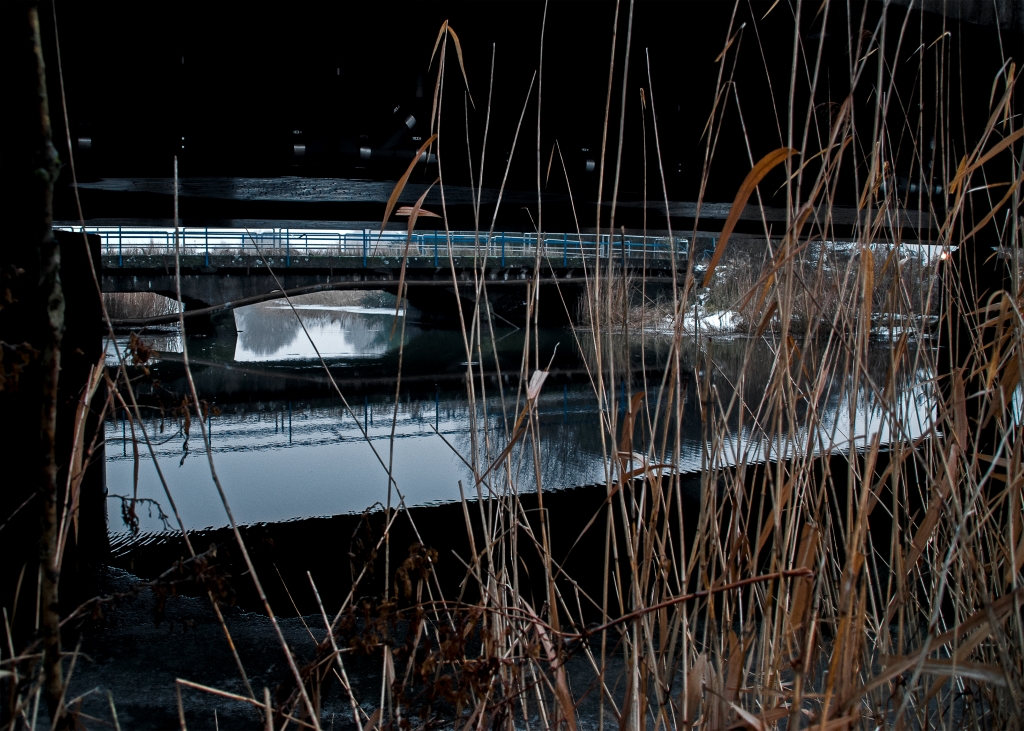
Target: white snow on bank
(710, 322)
(713, 322)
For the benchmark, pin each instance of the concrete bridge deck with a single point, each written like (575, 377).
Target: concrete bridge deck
(222, 269)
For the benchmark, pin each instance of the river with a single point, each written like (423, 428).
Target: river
(286, 446)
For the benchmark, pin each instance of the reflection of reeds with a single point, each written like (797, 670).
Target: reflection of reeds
(868, 587)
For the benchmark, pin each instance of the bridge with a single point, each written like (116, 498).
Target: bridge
(226, 268)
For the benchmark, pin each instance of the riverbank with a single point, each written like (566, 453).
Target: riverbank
(139, 646)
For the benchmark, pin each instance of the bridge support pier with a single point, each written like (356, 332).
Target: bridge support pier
(219, 323)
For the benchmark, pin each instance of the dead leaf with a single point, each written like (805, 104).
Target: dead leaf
(532, 391)
(766, 319)
(561, 686)
(414, 213)
(458, 52)
(695, 687)
(400, 185)
(407, 211)
(950, 667)
(755, 176)
(536, 382)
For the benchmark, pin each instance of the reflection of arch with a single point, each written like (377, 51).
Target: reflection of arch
(270, 328)
(262, 332)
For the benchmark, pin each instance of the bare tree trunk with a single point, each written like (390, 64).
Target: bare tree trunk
(51, 331)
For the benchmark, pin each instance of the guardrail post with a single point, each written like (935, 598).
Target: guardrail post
(287, 249)
(502, 248)
(365, 245)
(120, 257)
(565, 249)
(206, 237)
(435, 248)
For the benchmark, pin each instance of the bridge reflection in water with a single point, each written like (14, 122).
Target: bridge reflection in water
(286, 448)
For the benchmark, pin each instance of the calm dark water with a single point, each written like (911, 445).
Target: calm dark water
(286, 446)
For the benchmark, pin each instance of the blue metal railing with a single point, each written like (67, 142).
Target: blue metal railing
(367, 243)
